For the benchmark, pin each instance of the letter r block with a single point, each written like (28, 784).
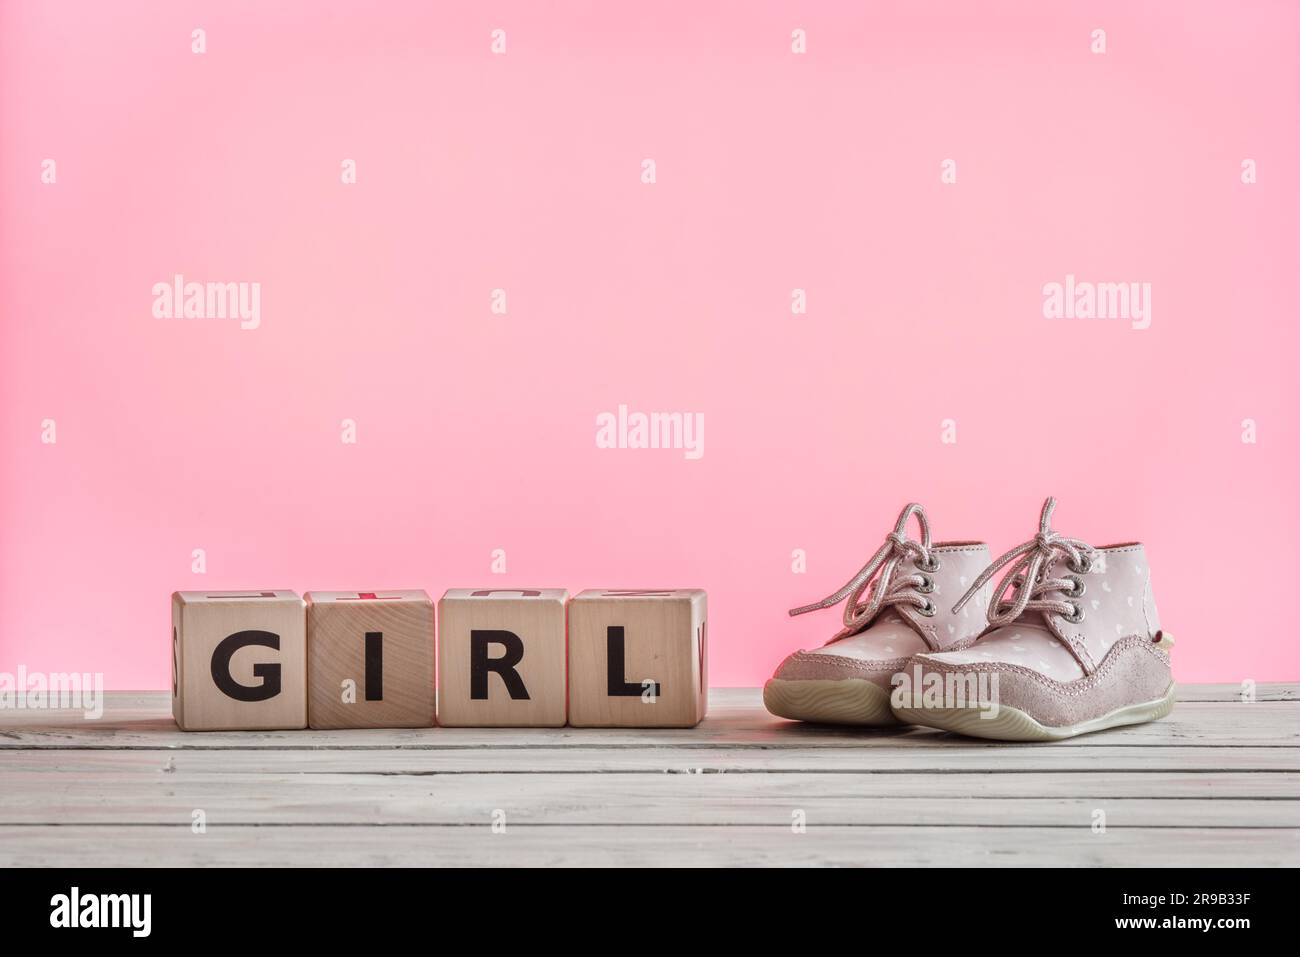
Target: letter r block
(239, 660)
(638, 658)
(501, 657)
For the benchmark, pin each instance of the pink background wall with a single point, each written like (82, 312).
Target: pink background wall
(522, 171)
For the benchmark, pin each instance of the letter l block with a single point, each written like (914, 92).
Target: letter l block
(638, 658)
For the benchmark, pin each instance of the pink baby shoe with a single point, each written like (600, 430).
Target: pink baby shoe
(909, 587)
(1077, 648)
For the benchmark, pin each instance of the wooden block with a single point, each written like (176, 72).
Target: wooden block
(239, 660)
(637, 658)
(501, 660)
(370, 659)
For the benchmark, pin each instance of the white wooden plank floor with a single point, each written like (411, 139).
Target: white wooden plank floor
(1218, 782)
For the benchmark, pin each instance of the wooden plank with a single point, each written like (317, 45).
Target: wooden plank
(1264, 691)
(478, 846)
(1007, 759)
(43, 770)
(722, 700)
(659, 799)
(1261, 724)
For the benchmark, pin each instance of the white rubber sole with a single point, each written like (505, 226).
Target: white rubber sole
(1012, 724)
(848, 701)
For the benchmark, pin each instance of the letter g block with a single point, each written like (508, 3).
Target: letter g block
(501, 657)
(239, 660)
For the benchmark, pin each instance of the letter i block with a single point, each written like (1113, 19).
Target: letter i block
(239, 661)
(638, 659)
(501, 660)
(370, 659)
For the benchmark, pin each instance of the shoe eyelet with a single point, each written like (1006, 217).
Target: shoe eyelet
(931, 566)
(1077, 616)
(1083, 568)
(927, 610)
(1079, 588)
(927, 585)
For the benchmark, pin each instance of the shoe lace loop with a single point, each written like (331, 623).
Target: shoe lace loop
(1029, 575)
(879, 576)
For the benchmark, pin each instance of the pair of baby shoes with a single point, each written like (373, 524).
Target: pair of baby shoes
(1066, 643)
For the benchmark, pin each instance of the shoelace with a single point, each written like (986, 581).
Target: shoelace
(887, 589)
(1029, 575)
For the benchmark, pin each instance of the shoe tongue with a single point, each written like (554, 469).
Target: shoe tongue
(893, 617)
(887, 616)
(1033, 619)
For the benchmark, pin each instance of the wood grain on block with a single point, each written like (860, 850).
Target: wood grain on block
(501, 657)
(370, 659)
(638, 658)
(239, 660)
